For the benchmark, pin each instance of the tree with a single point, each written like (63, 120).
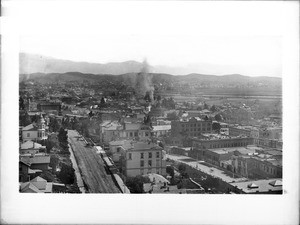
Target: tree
(182, 168)
(218, 117)
(172, 116)
(25, 119)
(66, 174)
(216, 127)
(54, 160)
(206, 106)
(213, 108)
(62, 135)
(158, 98)
(135, 184)
(54, 125)
(147, 97)
(170, 171)
(102, 101)
(21, 103)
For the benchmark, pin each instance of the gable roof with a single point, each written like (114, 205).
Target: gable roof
(276, 183)
(30, 127)
(37, 159)
(29, 188)
(30, 145)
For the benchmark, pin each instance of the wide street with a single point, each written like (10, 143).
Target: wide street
(91, 166)
(212, 171)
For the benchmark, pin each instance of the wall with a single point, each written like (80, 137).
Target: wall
(133, 165)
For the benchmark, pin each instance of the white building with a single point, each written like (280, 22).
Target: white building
(138, 158)
(35, 131)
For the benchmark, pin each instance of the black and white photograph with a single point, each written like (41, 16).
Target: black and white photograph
(182, 108)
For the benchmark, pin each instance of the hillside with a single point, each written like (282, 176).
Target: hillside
(30, 63)
(233, 84)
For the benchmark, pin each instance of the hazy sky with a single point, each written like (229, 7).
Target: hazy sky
(213, 55)
(212, 37)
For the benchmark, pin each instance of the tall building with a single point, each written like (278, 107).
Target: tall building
(138, 158)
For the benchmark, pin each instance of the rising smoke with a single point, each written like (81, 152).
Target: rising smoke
(144, 84)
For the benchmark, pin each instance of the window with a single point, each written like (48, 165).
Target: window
(130, 134)
(157, 163)
(150, 163)
(135, 134)
(142, 163)
(150, 155)
(146, 134)
(129, 156)
(28, 134)
(142, 155)
(118, 149)
(157, 154)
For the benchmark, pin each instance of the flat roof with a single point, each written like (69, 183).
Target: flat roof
(259, 185)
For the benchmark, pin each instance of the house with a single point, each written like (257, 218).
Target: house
(39, 161)
(30, 147)
(24, 171)
(40, 185)
(36, 185)
(35, 131)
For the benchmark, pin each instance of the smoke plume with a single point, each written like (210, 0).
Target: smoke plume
(144, 84)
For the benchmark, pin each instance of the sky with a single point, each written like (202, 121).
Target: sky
(253, 56)
(210, 37)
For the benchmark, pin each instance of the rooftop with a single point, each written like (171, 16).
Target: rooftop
(31, 145)
(161, 127)
(259, 186)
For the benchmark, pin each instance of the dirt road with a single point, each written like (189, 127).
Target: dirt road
(91, 166)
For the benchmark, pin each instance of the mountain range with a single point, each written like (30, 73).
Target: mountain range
(32, 63)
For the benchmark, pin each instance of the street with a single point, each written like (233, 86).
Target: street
(215, 172)
(91, 166)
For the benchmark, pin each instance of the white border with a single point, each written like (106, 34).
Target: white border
(35, 18)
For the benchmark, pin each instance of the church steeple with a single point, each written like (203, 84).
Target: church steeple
(41, 122)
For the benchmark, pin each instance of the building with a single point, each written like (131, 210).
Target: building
(248, 131)
(211, 141)
(40, 185)
(49, 107)
(193, 127)
(138, 158)
(35, 131)
(161, 130)
(264, 164)
(258, 187)
(273, 133)
(38, 161)
(113, 130)
(109, 131)
(24, 171)
(224, 129)
(30, 147)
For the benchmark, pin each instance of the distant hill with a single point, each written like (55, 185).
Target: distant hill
(30, 63)
(197, 83)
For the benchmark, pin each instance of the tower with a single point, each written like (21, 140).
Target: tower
(41, 127)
